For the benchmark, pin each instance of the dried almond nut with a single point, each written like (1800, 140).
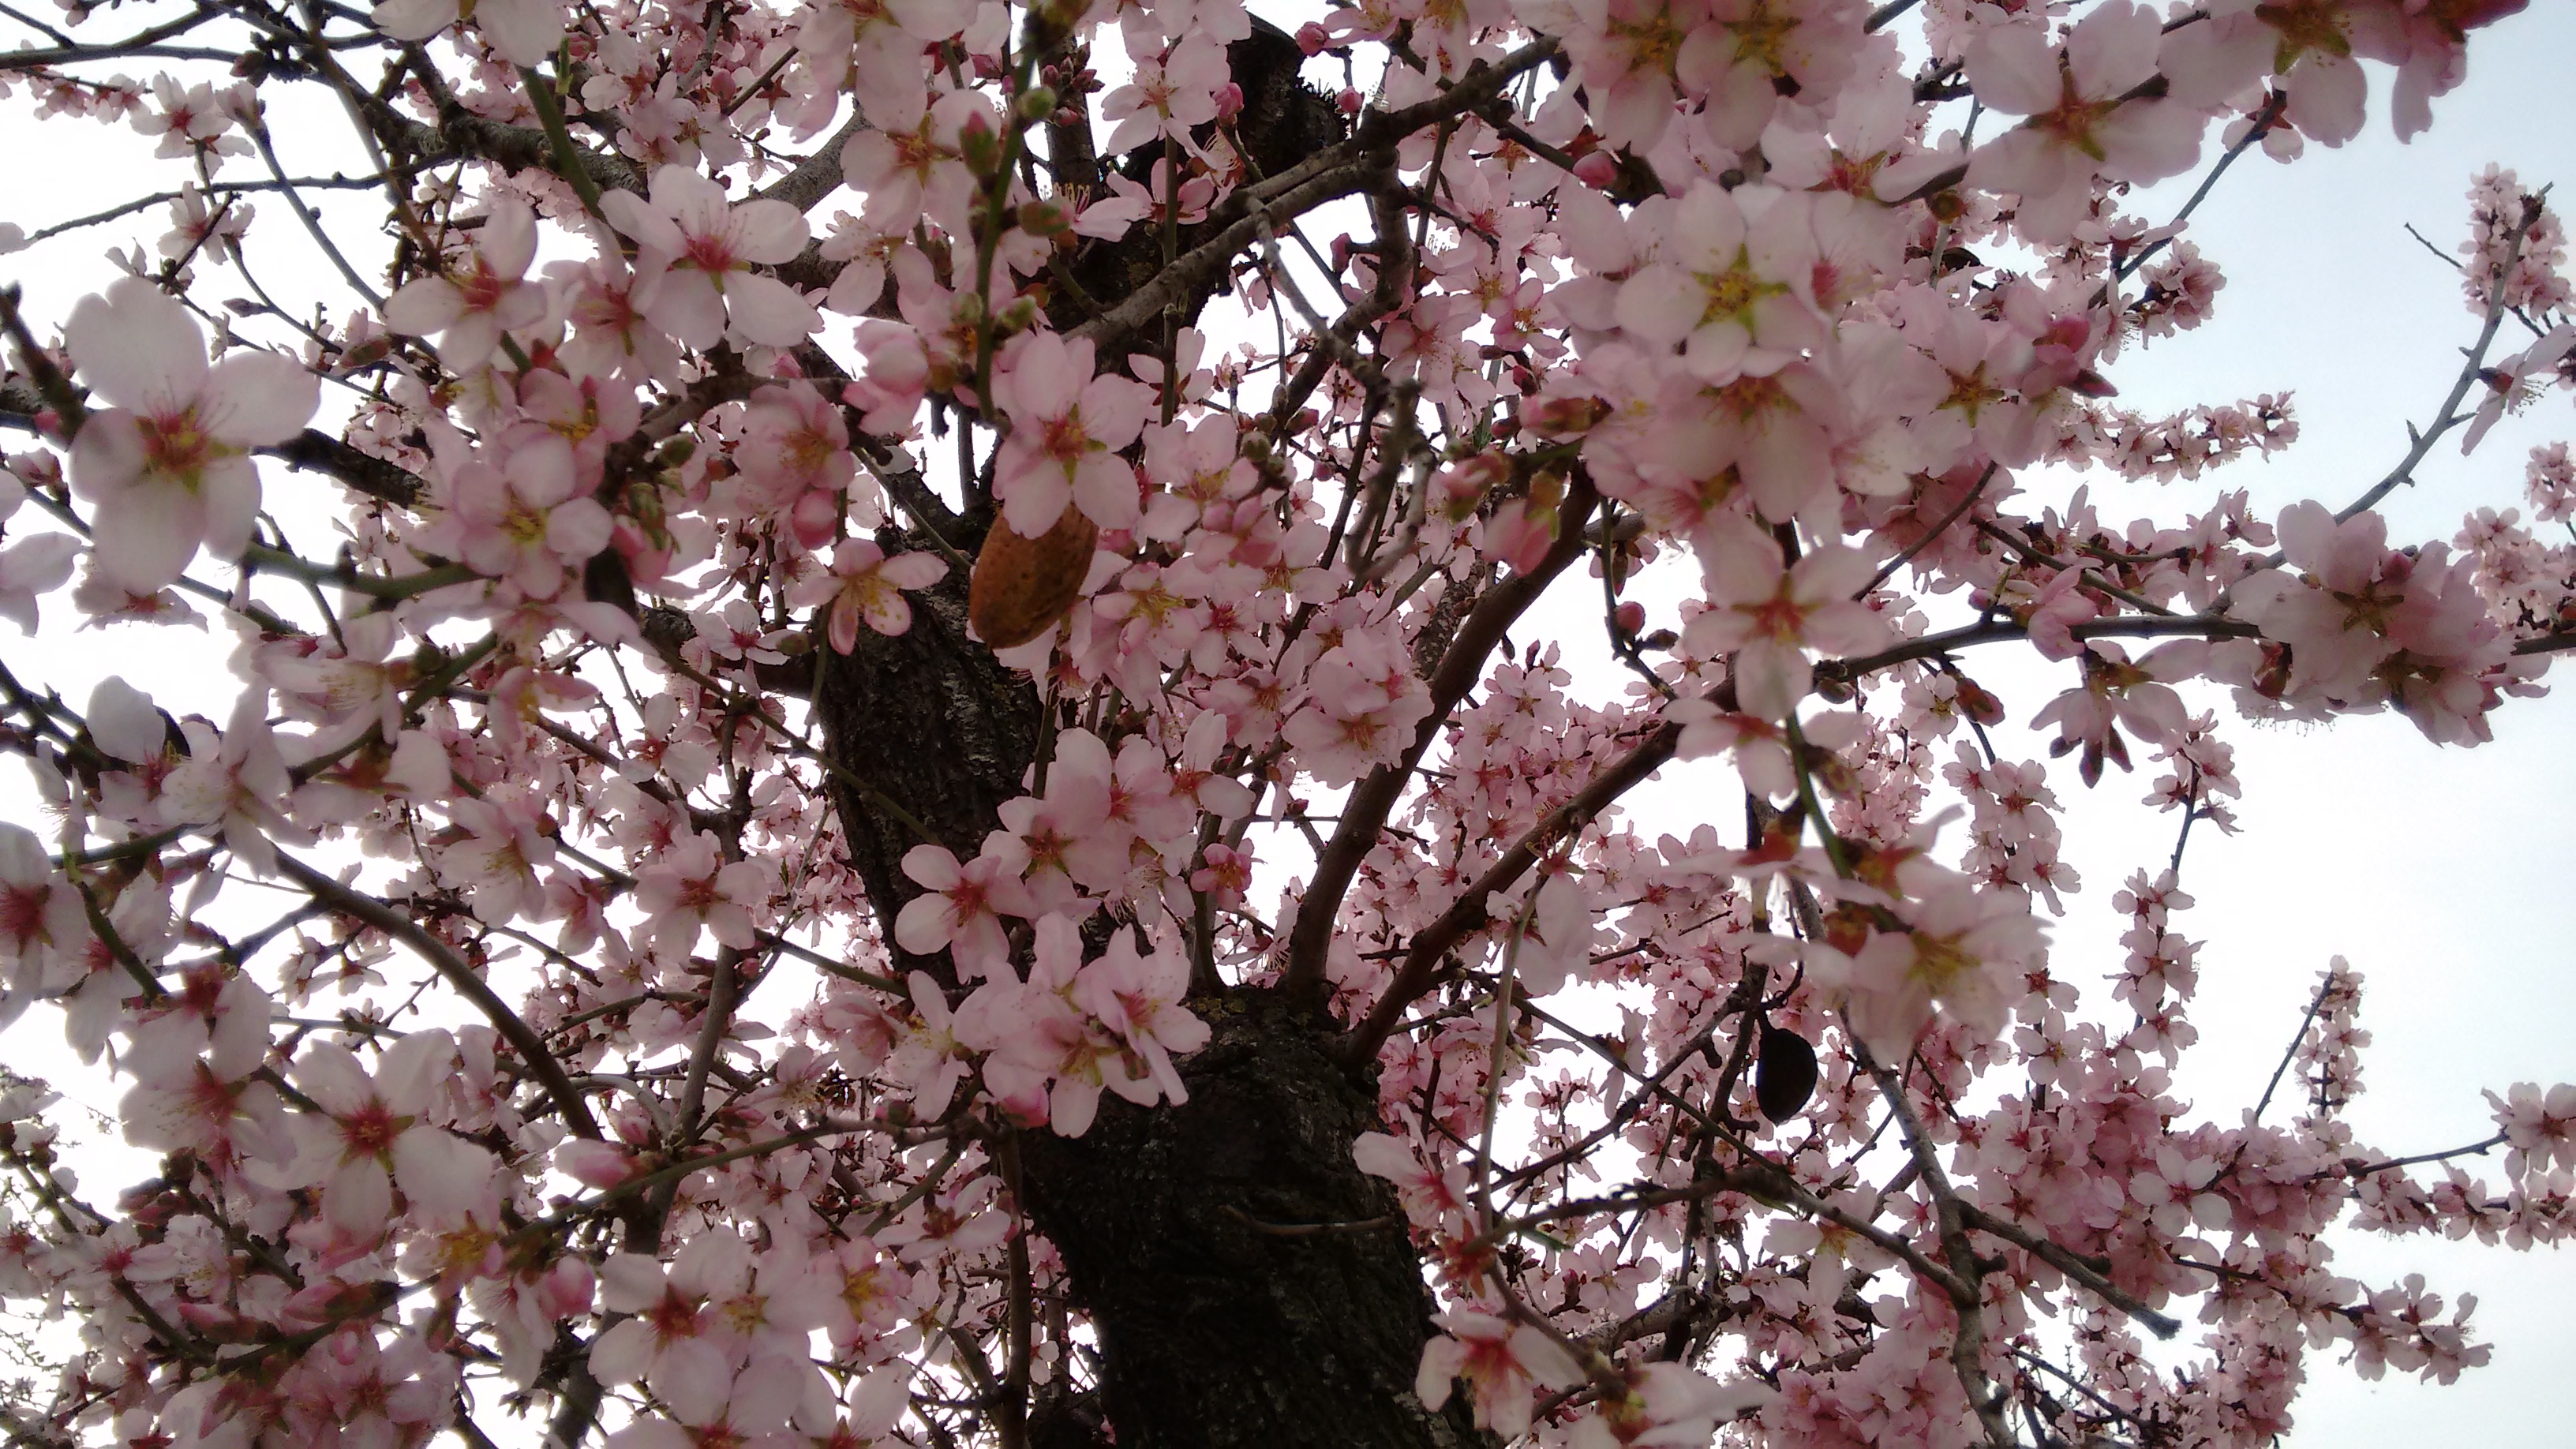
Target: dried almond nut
(1021, 586)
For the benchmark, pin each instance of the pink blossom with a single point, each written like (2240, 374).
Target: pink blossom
(525, 32)
(908, 164)
(960, 908)
(508, 837)
(691, 886)
(2117, 692)
(2332, 614)
(1721, 283)
(706, 248)
(2082, 116)
(865, 585)
(166, 463)
(485, 299)
(1434, 1198)
(1066, 429)
(1137, 997)
(1958, 949)
(1169, 96)
(1504, 1362)
(236, 781)
(42, 918)
(1047, 1061)
(194, 120)
(1767, 615)
(669, 1341)
(528, 519)
(878, 45)
(891, 385)
(928, 1059)
(31, 568)
(371, 1137)
(2539, 1127)
(611, 310)
(796, 462)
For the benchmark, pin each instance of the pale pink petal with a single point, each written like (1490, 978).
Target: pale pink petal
(1104, 486)
(688, 306)
(768, 311)
(124, 723)
(924, 925)
(441, 1172)
(424, 307)
(148, 534)
(693, 1377)
(1072, 1107)
(330, 1075)
(630, 1283)
(2113, 49)
(886, 612)
(508, 240)
(913, 570)
(414, 19)
(409, 1074)
(359, 1198)
(526, 32)
(2014, 68)
(1035, 501)
(578, 529)
(1662, 304)
(620, 1355)
(768, 231)
(229, 491)
(693, 201)
(636, 218)
(137, 347)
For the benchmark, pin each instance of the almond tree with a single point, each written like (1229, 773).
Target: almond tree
(934, 792)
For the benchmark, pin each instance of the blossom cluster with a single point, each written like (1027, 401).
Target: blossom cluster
(1204, 581)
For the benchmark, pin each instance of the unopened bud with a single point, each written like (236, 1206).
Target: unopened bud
(981, 148)
(1043, 218)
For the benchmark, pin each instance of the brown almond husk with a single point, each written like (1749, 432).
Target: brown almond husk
(1022, 586)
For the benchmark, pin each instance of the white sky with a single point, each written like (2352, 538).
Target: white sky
(2442, 874)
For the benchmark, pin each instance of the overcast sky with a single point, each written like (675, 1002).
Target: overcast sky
(2442, 874)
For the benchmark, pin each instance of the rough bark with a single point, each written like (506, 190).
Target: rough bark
(1213, 1332)
(933, 724)
(1221, 1323)
(1215, 1328)
(1283, 121)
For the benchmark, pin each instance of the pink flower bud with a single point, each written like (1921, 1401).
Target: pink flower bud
(566, 1287)
(595, 1164)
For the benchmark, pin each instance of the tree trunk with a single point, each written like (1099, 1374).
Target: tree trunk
(1216, 1328)
(1226, 1319)
(1248, 1284)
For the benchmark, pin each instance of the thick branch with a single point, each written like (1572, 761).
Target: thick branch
(1425, 956)
(469, 984)
(1310, 940)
